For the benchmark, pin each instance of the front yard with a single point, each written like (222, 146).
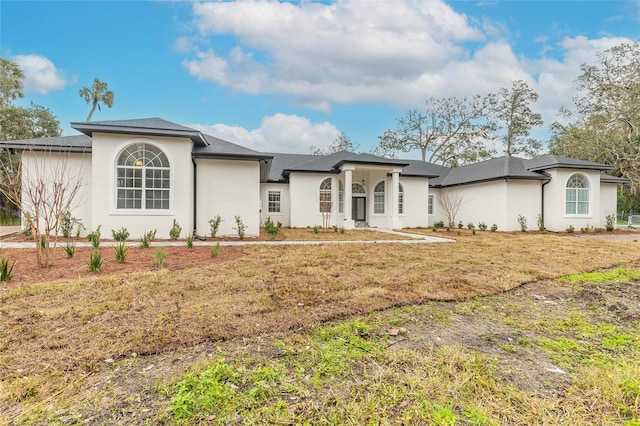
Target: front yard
(106, 348)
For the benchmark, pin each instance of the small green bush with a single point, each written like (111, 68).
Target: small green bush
(121, 252)
(175, 231)
(611, 222)
(5, 269)
(95, 261)
(121, 234)
(335, 228)
(494, 227)
(272, 229)
(460, 225)
(240, 227)
(316, 229)
(215, 224)
(522, 221)
(586, 229)
(598, 230)
(215, 251)
(570, 229)
(67, 223)
(94, 237)
(342, 229)
(147, 238)
(439, 224)
(540, 222)
(482, 226)
(70, 249)
(159, 257)
(471, 226)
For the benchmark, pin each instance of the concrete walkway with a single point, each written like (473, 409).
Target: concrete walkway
(415, 239)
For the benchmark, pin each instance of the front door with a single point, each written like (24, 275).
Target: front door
(359, 209)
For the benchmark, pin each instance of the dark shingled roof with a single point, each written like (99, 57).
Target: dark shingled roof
(283, 162)
(496, 168)
(556, 161)
(142, 126)
(219, 148)
(76, 143)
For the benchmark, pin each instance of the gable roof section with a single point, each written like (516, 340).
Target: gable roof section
(219, 148)
(142, 126)
(76, 143)
(497, 168)
(558, 162)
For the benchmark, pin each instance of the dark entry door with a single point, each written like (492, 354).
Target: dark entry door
(359, 209)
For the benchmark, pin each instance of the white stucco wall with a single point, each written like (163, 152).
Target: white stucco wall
(608, 201)
(555, 197)
(228, 188)
(106, 148)
(482, 202)
(523, 198)
(55, 166)
(284, 217)
(305, 202)
(416, 202)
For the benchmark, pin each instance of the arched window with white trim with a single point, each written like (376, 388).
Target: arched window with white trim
(325, 196)
(143, 178)
(378, 198)
(401, 199)
(577, 195)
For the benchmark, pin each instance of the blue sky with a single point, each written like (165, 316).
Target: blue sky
(277, 76)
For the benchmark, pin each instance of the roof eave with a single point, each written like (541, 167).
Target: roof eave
(88, 128)
(230, 156)
(571, 166)
(48, 148)
(373, 163)
(541, 177)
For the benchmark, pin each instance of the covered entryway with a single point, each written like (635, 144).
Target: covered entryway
(359, 205)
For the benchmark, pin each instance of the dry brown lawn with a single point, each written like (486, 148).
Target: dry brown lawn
(55, 334)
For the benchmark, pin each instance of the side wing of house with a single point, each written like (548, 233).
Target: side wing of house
(229, 189)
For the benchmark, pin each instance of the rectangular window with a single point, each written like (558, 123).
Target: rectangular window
(273, 201)
(401, 203)
(378, 203)
(430, 208)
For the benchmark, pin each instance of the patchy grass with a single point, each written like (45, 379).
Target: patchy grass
(617, 274)
(307, 234)
(56, 336)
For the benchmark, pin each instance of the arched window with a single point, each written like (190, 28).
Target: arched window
(340, 197)
(143, 178)
(325, 196)
(378, 198)
(577, 194)
(356, 188)
(401, 200)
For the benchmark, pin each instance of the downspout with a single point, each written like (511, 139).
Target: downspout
(195, 193)
(542, 195)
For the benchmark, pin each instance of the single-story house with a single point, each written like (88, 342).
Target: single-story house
(142, 174)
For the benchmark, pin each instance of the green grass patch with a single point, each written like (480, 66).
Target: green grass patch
(615, 275)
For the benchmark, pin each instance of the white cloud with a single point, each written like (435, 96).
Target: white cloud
(395, 53)
(277, 133)
(41, 75)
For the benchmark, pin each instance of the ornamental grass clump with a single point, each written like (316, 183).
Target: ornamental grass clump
(69, 249)
(189, 240)
(159, 257)
(121, 252)
(215, 251)
(5, 269)
(94, 237)
(95, 261)
(147, 238)
(272, 229)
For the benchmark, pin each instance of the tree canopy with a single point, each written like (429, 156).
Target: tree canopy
(18, 122)
(605, 126)
(450, 131)
(513, 114)
(96, 94)
(342, 142)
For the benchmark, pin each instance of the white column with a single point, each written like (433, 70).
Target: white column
(348, 181)
(395, 190)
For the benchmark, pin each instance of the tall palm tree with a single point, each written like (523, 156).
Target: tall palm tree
(97, 93)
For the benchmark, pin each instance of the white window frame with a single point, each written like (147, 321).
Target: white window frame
(379, 198)
(273, 203)
(138, 161)
(325, 199)
(578, 192)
